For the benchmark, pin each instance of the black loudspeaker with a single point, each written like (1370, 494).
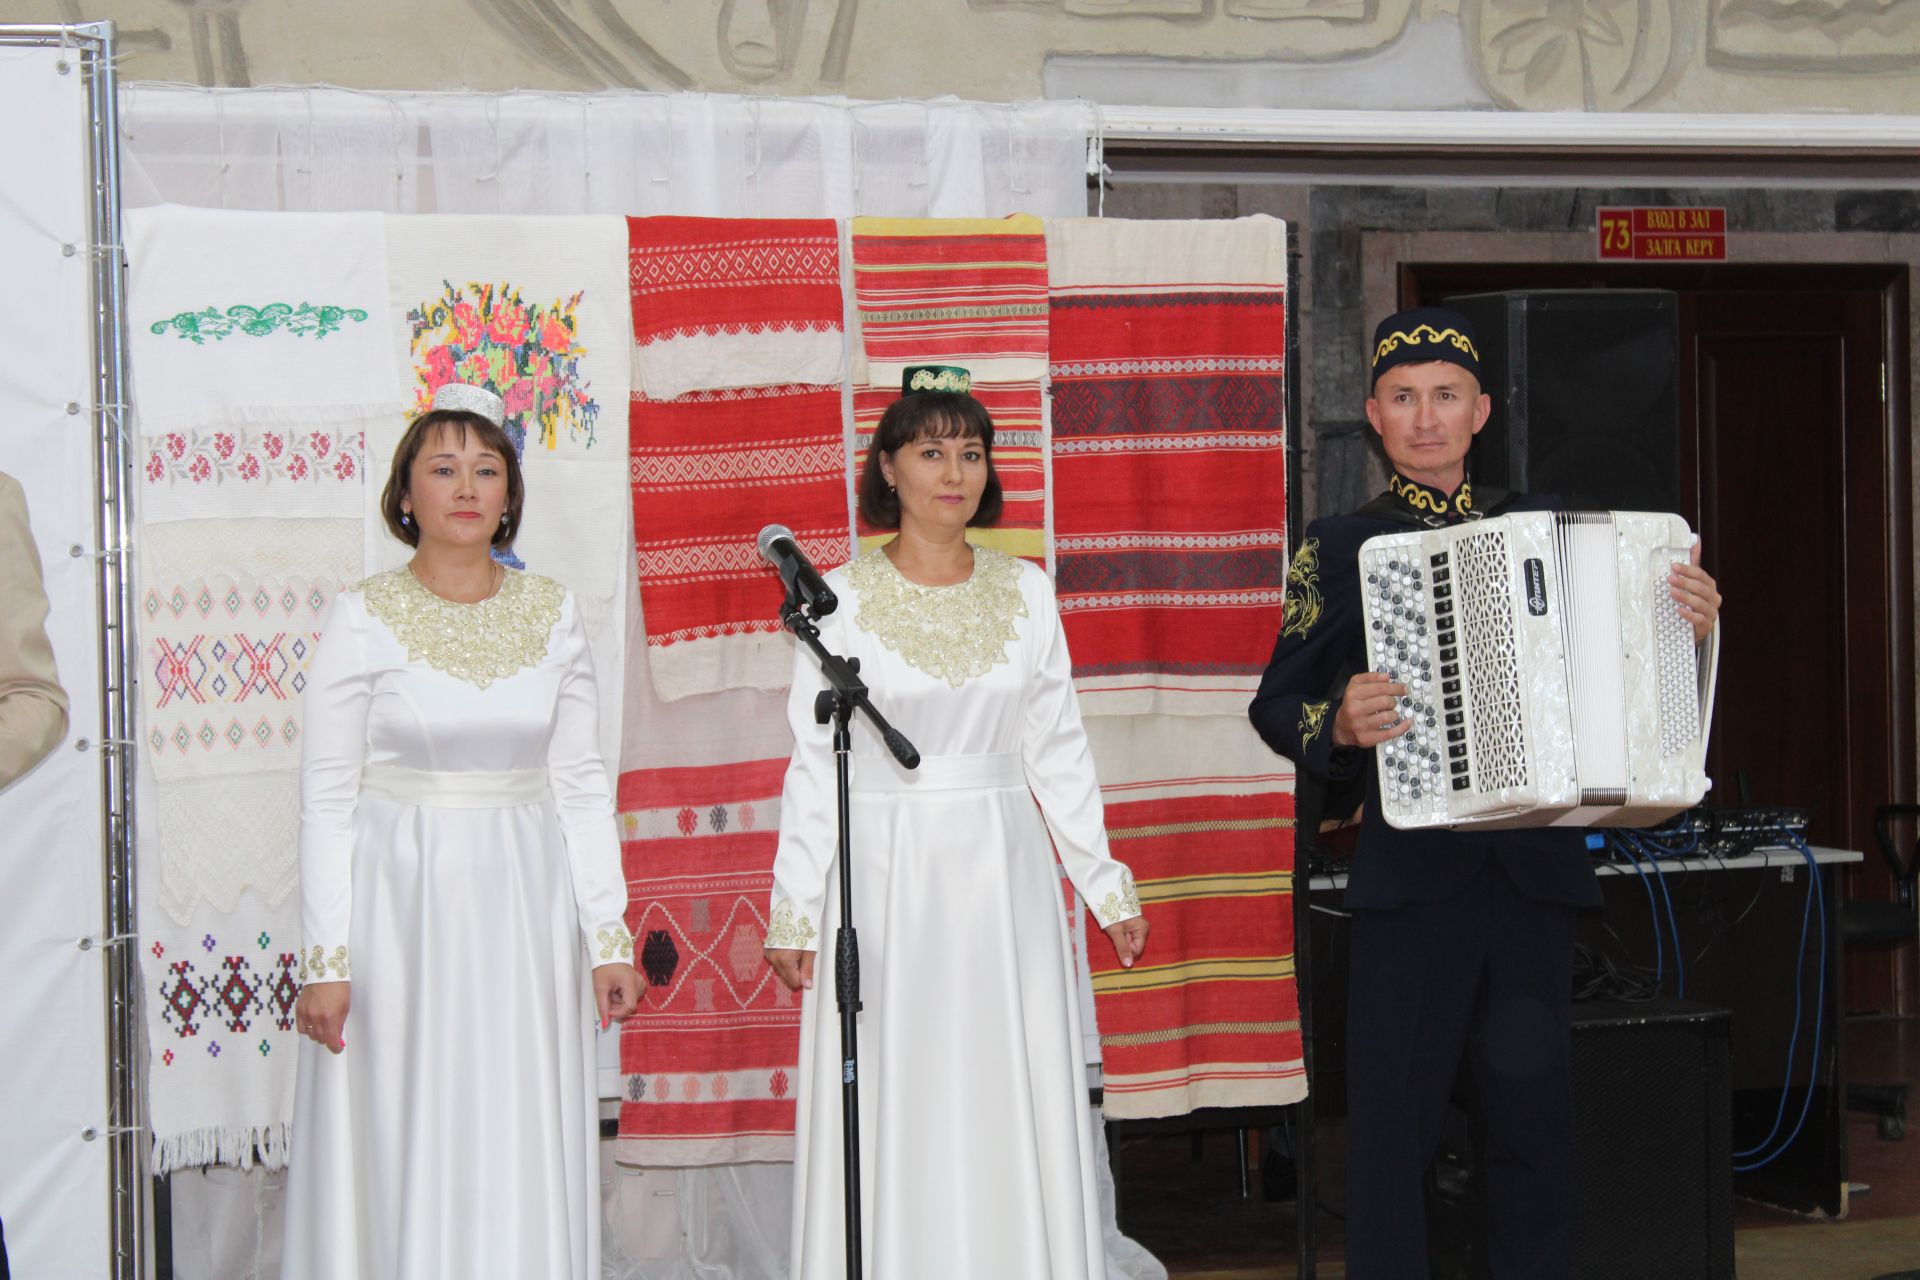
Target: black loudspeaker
(1585, 395)
(1653, 1134)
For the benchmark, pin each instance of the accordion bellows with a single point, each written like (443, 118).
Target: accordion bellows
(1550, 678)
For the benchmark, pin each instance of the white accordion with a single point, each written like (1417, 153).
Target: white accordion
(1550, 678)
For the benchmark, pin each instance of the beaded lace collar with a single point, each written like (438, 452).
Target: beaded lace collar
(478, 643)
(952, 633)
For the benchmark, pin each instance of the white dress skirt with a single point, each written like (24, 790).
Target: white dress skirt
(976, 1136)
(459, 865)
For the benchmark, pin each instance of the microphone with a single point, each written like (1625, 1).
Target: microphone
(778, 548)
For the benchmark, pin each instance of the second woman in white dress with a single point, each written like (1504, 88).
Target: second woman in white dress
(977, 1145)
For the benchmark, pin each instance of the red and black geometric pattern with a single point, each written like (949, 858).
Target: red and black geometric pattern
(200, 996)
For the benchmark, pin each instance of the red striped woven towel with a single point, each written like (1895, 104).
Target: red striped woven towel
(1169, 458)
(734, 302)
(1019, 456)
(710, 1061)
(1210, 1015)
(961, 291)
(709, 469)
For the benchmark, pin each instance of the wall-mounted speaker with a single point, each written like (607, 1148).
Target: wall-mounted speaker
(1585, 395)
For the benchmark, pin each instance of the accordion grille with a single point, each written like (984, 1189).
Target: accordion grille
(1679, 687)
(1483, 573)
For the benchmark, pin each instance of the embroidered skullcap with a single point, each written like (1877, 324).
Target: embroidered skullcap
(465, 397)
(934, 377)
(1425, 334)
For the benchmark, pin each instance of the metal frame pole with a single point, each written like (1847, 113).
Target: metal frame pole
(119, 662)
(125, 1130)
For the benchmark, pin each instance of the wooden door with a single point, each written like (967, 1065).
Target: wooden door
(1788, 464)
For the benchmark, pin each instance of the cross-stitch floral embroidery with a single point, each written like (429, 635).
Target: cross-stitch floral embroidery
(526, 354)
(208, 458)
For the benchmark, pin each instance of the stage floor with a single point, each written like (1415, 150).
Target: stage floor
(1184, 1205)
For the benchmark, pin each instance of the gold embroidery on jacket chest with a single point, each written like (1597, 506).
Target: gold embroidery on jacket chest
(951, 633)
(478, 643)
(1303, 605)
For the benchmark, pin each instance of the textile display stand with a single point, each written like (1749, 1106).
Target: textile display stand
(299, 399)
(73, 1144)
(1298, 1116)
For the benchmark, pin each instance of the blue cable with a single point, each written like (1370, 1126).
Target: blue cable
(1815, 893)
(1673, 927)
(1653, 909)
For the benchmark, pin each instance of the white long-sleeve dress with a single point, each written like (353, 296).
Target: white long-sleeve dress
(460, 865)
(976, 1137)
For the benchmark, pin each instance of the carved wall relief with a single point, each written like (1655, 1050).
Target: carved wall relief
(1580, 55)
(1856, 36)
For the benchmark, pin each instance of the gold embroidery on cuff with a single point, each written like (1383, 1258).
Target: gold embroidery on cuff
(615, 944)
(315, 963)
(1123, 905)
(787, 930)
(1313, 718)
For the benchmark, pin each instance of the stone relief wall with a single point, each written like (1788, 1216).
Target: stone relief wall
(1536, 55)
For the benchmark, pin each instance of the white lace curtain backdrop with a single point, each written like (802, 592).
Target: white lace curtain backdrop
(311, 149)
(326, 149)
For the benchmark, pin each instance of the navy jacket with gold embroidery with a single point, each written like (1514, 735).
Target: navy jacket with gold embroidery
(1321, 645)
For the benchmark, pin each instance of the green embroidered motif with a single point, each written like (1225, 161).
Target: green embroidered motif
(259, 322)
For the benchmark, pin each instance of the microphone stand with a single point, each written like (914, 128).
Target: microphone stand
(845, 693)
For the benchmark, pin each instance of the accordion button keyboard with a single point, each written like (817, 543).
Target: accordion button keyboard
(1399, 639)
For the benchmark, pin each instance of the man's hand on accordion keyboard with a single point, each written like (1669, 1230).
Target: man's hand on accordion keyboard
(1370, 711)
(1694, 589)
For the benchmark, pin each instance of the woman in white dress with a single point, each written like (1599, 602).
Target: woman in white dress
(976, 1137)
(461, 898)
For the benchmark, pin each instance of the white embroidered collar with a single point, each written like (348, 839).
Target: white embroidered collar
(479, 643)
(952, 633)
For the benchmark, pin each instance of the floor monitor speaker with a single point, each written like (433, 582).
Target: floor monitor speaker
(1652, 1128)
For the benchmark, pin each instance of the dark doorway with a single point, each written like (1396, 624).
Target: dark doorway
(1794, 468)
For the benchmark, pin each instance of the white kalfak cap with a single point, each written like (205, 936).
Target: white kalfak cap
(464, 397)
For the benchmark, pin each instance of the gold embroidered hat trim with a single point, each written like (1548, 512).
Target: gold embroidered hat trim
(952, 633)
(479, 643)
(935, 377)
(1426, 499)
(1423, 335)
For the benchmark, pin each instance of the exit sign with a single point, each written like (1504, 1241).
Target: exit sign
(1690, 234)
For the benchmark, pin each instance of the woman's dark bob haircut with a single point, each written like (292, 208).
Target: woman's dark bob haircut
(423, 429)
(927, 415)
